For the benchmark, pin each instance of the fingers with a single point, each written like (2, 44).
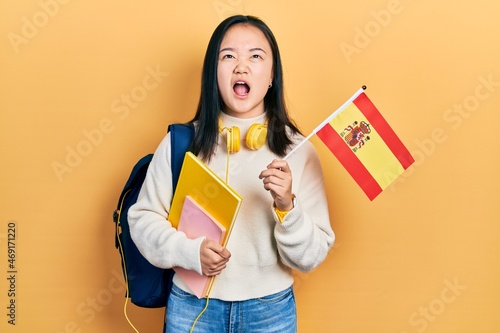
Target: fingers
(214, 257)
(276, 165)
(277, 174)
(277, 179)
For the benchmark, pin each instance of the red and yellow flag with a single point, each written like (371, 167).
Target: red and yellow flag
(365, 144)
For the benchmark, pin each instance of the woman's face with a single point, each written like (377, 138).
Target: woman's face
(245, 71)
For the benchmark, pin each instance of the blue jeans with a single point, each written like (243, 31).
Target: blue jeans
(271, 314)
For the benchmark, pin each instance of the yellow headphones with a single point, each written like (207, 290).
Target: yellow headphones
(255, 139)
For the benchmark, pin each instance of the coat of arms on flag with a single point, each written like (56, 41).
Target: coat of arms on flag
(356, 134)
(364, 143)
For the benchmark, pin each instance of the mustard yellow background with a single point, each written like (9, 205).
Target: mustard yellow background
(88, 87)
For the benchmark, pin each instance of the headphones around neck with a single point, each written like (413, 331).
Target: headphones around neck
(255, 139)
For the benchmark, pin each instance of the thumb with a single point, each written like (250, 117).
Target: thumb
(219, 249)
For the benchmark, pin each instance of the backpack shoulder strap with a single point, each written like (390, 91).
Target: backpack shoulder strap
(181, 136)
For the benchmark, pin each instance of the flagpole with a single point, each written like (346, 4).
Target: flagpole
(327, 120)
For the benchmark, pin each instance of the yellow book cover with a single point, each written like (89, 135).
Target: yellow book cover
(199, 182)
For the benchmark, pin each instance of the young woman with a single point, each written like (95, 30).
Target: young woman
(283, 223)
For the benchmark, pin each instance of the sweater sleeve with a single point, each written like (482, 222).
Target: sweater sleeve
(305, 236)
(160, 243)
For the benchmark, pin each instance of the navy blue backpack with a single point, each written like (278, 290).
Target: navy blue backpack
(147, 286)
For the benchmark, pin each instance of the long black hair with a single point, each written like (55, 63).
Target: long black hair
(211, 105)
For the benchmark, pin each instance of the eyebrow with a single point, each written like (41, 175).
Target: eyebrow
(251, 50)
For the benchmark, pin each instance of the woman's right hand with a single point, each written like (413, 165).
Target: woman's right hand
(214, 257)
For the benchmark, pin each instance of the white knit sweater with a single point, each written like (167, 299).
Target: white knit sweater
(263, 250)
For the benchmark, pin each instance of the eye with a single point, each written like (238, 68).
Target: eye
(256, 56)
(228, 56)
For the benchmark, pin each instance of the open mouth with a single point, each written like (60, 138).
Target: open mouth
(241, 88)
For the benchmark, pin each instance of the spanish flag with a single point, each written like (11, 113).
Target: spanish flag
(365, 144)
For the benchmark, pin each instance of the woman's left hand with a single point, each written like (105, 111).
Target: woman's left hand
(277, 180)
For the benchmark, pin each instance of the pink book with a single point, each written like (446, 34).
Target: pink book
(197, 222)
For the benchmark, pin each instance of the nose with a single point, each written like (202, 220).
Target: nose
(241, 68)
